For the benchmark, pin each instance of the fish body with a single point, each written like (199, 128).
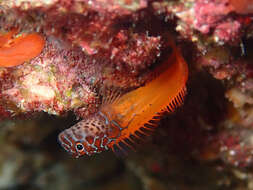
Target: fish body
(123, 120)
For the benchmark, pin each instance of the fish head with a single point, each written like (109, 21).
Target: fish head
(87, 137)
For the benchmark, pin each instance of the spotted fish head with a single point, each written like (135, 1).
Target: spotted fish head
(86, 137)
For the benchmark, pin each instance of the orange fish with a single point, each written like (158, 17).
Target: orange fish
(123, 120)
(16, 50)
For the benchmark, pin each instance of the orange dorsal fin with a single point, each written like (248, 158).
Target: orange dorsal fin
(138, 112)
(110, 95)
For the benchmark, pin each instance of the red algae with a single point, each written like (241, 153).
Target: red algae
(93, 44)
(228, 31)
(15, 51)
(48, 83)
(207, 15)
(108, 45)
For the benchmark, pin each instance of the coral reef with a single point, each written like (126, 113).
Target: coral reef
(91, 45)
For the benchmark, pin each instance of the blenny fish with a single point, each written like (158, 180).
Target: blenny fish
(16, 49)
(124, 119)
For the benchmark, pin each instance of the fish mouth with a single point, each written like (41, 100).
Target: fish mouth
(62, 141)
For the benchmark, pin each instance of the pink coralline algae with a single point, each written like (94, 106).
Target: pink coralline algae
(96, 45)
(39, 89)
(216, 16)
(82, 51)
(236, 148)
(94, 48)
(228, 30)
(209, 13)
(220, 20)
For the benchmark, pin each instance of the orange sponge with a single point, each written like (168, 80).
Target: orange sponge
(15, 51)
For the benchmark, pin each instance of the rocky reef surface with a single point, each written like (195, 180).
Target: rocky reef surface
(89, 44)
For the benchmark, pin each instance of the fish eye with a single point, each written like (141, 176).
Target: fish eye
(79, 147)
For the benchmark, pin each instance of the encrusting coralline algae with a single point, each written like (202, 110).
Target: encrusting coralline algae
(94, 45)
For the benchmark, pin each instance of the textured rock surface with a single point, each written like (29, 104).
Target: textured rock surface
(206, 144)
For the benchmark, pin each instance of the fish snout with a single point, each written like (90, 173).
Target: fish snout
(66, 142)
